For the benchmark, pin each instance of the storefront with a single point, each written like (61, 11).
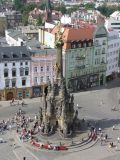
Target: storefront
(23, 93)
(83, 82)
(36, 91)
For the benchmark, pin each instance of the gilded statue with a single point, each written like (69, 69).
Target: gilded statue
(59, 40)
(57, 69)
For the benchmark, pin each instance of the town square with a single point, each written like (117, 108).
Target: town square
(59, 79)
(90, 108)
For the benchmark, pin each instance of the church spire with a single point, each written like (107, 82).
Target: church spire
(48, 5)
(48, 11)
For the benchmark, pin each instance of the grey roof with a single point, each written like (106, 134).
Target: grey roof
(17, 34)
(14, 53)
(33, 43)
(43, 52)
(3, 42)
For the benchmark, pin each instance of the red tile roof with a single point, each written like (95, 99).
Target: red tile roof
(85, 31)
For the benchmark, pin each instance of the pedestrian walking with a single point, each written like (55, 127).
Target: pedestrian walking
(22, 103)
(101, 102)
(118, 139)
(116, 148)
(100, 130)
(106, 136)
(113, 128)
(14, 145)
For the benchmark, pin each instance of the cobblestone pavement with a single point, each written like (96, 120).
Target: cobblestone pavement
(91, 109)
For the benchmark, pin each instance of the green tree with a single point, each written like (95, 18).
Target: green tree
(61, 8)
(25, 12)
(18, 4)
(42, 5)
(107, 10)
(89, 6)
(25, 18)
(39, 20)
(72, 9)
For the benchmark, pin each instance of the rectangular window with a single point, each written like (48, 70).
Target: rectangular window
(21, 72)
(7, 83)
(96, 43)
(13, 73)
(47, 79)
(14, 83)
(23, 82)
(13, 64)
(5, 64)
(26, 72)
(104, 42)
(26, 63)
(47, 68)
(103, 51)
(41, 79)
(21, 63)
(35, 69)
(41, 69)
(35, 80)
(6, 73)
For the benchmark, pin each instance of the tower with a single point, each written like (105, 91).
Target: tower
(48, 11)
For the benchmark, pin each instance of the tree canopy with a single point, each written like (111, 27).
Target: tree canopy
(72, 9)
(39, 20)
(108, 10)
(89, 6)
(18, 4)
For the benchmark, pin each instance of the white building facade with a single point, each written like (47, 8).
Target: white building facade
(113, 53)
(14, 73)
(114, 21)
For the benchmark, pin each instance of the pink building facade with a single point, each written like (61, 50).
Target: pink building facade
(42, 71)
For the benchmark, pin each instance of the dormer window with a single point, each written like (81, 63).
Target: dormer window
(96, 43)
(24, 55)
(5, 56)
(73, 45)
(15, 56)
(89, 44)
(84, 44)
(79, 45)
